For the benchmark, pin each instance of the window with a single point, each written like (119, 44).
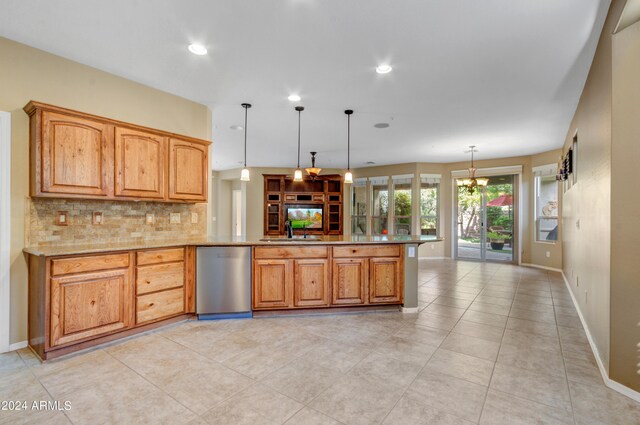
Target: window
(359, 207)
(379, 205)
(546, 204)
(429, 205)
(402, 205)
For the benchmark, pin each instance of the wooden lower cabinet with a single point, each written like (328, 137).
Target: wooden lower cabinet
(88, 305)
(349, 281)
(79, 301)
(286, 277)
(159, 305)
(272, 283)
(385, 277)
(311, 283)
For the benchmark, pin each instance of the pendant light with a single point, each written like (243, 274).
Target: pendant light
(471, 182)
(297, 175)
(313, 171)
(348, 176)
(244, 175)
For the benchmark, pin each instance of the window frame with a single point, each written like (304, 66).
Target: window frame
(437, 187)
(538, 175)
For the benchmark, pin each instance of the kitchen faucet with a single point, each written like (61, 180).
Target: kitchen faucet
(288, 228)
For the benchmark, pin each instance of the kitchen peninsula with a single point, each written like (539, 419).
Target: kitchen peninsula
(83, 295)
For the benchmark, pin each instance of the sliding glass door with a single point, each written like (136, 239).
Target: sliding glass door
(485, 225)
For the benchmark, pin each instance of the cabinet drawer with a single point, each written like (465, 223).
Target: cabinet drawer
(159, 256)
(89, 264)
(262, 252)
(366, 251)
(159, 305)
(158, 277)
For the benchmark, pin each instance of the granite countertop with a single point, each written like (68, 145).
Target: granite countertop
(55, 250)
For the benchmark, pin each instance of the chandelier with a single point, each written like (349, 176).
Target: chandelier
(471, 182)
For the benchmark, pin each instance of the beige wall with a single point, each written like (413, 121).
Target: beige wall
(586, 212)
(624, 365)
(531, 252)
(31, 74)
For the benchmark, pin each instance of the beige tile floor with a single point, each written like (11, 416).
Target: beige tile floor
(492, 344)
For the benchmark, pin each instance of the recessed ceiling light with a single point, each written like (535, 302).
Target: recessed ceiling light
(236, 127)
(381, 125)
(197, 49)
(294, 98)
(383, 69)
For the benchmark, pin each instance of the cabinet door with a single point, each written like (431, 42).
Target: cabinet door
(89, 305)
(385, 276)
(349, 278)
(76, 155)
(272, 283)
(140, 164)
(188, 170)
(311, 283)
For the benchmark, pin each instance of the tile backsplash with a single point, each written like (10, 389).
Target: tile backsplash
(122, 221)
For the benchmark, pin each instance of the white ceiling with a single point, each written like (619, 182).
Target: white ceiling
(504, 75)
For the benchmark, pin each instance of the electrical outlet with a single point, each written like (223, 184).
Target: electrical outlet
(433, 246)
(194, 218)
(62, 218)
(150, 218)
(548, 254)
(174, 218)
(97, 217)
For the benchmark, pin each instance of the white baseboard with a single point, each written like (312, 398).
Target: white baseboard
(18, 346)
(537, 266)
(616, 386)
(409, 309)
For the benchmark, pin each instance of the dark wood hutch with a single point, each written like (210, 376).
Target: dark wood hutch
(280, 191)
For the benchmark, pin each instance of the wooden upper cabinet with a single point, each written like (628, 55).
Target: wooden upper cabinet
(74, 155)
(188, 170)
(385, 280)
(140, 164)
(311, 283)
(77, 155)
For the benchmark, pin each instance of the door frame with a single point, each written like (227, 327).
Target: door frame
(516, 172)
(5, 231)
(236, 210)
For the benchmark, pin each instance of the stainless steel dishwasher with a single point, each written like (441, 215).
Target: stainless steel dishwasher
(223, 282)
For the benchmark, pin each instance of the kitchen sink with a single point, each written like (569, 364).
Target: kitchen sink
(293, 240)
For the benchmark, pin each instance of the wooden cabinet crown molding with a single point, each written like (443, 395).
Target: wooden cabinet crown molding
(80, 155)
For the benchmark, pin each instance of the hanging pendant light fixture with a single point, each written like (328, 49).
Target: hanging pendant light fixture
(313, 171)
(244, 175)
(348, 176)
(471, 182)
(297, 175)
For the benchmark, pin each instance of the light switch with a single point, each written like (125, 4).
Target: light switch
(194, 218)
(97, 217)
(174, 218)
(412, 251)
(150, 218)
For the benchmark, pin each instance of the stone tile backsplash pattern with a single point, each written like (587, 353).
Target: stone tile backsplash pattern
(123, 222)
